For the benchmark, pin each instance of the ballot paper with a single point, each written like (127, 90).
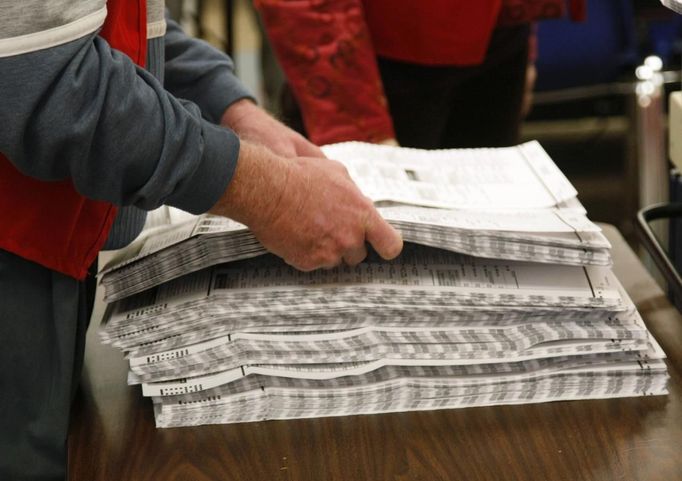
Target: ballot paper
(259, 396)
(523, 176)
(466, 345)
(433, 282)
(505, 203)
(550, 236)
(262, 404)
(255, 340)
(503, 294)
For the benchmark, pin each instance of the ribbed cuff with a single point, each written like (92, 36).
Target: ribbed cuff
(202, 190)
(127, 225)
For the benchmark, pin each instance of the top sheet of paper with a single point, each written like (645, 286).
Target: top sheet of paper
(523, 176)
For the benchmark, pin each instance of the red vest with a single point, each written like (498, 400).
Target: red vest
(451, 32)
(49, 222)
(432, 32)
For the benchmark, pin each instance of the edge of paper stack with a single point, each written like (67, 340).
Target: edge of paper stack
(502, 295)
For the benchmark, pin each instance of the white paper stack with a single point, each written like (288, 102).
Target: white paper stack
(214, 337)
(258, 397)
(504, 208)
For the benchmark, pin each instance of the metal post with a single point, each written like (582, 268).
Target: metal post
(650, 120)
(652, 158)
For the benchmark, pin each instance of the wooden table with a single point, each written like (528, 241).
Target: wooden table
(113, 437)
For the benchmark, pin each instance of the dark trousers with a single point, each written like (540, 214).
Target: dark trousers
(43, 320)
(449, 107)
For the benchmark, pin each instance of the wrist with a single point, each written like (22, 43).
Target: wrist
(237, 111)
(256, 187)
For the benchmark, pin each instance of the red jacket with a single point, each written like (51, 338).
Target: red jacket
(49, 222)
(328, 50)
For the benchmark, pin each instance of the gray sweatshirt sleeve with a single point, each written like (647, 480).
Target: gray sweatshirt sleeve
(196, 71)
(85, 112)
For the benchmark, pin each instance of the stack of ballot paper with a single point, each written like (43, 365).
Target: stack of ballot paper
(498, 203)
(511, 304)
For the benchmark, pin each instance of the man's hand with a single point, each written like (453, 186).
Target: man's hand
(254, 124)
(306, 210)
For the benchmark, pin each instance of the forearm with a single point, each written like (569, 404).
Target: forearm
(90, 115)
(247, 197)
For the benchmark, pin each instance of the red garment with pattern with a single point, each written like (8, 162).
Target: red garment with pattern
(49, 222)
(328, 50)
(432, 32)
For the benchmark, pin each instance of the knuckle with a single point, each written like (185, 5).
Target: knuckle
(338, 166)
(348, 241)
(367, 203)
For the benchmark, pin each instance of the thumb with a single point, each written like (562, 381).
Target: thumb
(383, 237)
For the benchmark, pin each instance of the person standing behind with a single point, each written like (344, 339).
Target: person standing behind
(426, 74)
